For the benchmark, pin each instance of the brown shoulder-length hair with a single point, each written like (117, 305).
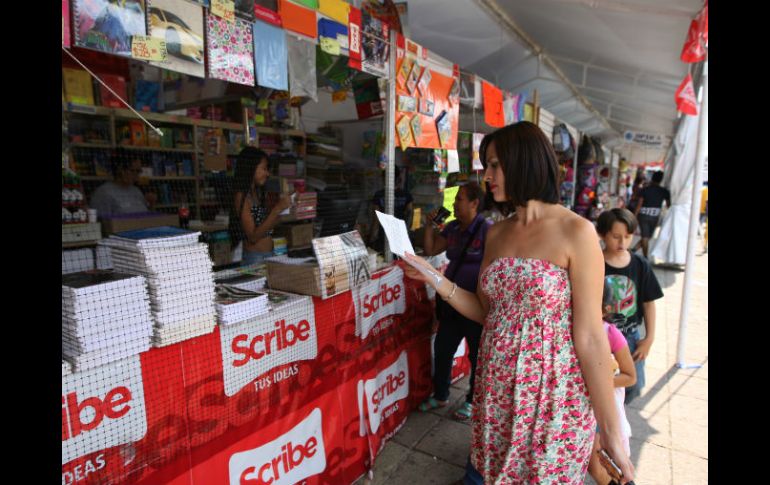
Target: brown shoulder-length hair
(528, 162)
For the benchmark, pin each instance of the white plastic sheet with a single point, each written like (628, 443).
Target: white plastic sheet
(302, 68)
(671, 245)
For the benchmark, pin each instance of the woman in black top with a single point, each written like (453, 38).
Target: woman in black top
(252, 215)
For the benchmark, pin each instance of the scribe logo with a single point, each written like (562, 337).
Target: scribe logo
(289, 459)
(377, 299)
(252, 348)
(390, 386)
(102, 408)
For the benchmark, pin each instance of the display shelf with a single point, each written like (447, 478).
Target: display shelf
(91, 145)
(79, 244)
(158, 149)
(90, 178)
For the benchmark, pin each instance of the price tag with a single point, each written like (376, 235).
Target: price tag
(224, 9)
(330, 46)
(148, 48)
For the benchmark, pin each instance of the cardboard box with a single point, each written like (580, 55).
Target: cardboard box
(80, 232)
(297, 235)
(304, 279)
(130, 222)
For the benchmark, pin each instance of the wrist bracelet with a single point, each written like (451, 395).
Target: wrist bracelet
(452, 293)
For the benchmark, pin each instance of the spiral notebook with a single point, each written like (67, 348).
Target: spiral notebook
(180, 24)
(108, 26)
(230, 50)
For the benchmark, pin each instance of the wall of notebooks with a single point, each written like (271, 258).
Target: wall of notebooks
(179, 364)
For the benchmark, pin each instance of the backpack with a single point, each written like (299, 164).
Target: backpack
(562, 141)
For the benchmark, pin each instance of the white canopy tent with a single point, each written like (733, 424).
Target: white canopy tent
(603, 66)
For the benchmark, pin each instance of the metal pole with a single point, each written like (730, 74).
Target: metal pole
(390, 169)
(694, 221)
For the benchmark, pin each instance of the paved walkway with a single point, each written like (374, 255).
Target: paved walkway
(669, 421)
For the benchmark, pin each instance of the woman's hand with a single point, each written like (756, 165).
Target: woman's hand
(284, 202)
(614, 447)
(429, 217)
(411, 271)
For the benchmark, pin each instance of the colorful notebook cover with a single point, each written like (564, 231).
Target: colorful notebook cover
(77, 86)
(108, 26)
(335, 9)
(298, 19)
(245, 9)
(180, 24)
(117, 84)
(230, 50)
(66, 39)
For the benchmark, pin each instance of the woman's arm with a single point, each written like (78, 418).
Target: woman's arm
(473, 306)
(627, 376)
(432, 243)
(586, 273)
(253, 232)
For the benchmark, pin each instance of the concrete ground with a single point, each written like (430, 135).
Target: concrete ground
(669, 421)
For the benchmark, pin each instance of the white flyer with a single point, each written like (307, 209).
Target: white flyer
(398, 239)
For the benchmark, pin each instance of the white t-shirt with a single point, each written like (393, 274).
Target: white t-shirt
(111, 198)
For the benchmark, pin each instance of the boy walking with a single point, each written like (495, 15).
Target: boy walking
(634, 288)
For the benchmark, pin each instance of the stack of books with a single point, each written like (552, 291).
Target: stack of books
(305, 205)
(242, 281)
(179, 278)
(105, 317)
(236, 304)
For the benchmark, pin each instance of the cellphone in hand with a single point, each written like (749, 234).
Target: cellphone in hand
(612, 468)
(441, 216)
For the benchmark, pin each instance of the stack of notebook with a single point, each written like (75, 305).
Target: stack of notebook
(105, 317)
(179, 278)
(236, 304)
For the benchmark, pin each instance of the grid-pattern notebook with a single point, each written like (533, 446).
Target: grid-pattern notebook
(108, 26)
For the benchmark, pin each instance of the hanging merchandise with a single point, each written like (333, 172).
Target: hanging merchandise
(562, 141)
(367, 95)
(477, 164)
(107, 26)
(335, 9)
(599, 151)
(439, 161)
(354, 38)
(685, 97)
(267, 11)
(416, 125)
(270, 56)
(333, 36)
(66, 37)
(230, 50)
(184, 43)
(404, 132)
(375, 46)
(453, 161)
(694, 49)
(298, 19)
(302, 68)
(586, 152)
(422, 88)
(467, 89)
(493, 105)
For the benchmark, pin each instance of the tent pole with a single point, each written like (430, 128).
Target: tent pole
(694, 221)
(390, 170)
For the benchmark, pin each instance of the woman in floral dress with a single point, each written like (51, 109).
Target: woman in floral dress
(543, 368)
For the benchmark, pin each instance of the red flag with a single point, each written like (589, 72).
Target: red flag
(686, 102)
(694, 49)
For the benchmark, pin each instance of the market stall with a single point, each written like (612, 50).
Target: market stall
(178, 365)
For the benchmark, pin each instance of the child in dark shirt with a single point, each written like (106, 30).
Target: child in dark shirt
(634, 286)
